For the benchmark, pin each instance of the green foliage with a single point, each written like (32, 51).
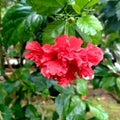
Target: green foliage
(98, 112)
(89, 25)
(31, 112)
(45, 7)
(39, 80)
(3, 94)
(82, 87)
(11, 87)
(78, 5)
(18, 111)
(60, 102)
(57, 28)
(67, 90)
(20, 24)
(110, 13)
(74, 109)
(5, 112)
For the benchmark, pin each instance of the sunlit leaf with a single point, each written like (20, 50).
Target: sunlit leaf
(82, 87)
(74, 109)
(89, 24)
(91, 3)
(79, 5)
(98, 112)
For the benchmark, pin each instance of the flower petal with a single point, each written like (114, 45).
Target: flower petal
(95, 54)
(55, 68)
(86, 72)
(75, 43)
(33, 46)
(62, 41)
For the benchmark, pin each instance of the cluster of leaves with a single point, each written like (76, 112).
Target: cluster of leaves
(69, 103)
(38, 22)
(44, 20)
(72, 106)
(108, 74)
(111, 16)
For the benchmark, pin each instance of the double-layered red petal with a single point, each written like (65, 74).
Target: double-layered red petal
(65, 59)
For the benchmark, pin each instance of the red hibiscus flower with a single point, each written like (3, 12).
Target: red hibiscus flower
(64, 60)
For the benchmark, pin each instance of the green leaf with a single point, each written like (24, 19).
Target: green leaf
(79, 5)
(3, 94)
(71, 2)
(108, 82)
(52, 31)
(91, 3)
(69, 90)
(5, 112)
(82, 87)
(69, 29)
(89, 24)
(98, 112)
(61, 2)
(101, 71)
(60, 102)
(83, 35)
(74, 109)
(96, 83)
(11, 87)
(31, 112)
(40, 82)
(17, 111)
(96, 39)
(45, 7)
(118, 82)
(23, 74)
(20, 24)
